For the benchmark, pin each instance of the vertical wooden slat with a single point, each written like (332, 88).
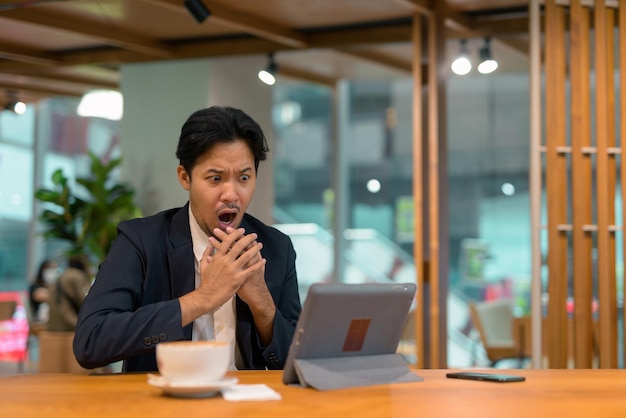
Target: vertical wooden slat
(556, 185)
(582, 242)
(437, 184)
(606, 271)
(612, 174)
(433, 188)
(418, 191)
(622, 100)
(536, 142)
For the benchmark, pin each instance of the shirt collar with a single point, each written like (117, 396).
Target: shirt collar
(198, 237)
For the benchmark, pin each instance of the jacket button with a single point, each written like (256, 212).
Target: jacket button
(155, 339)
(147, 341)
(162, 336)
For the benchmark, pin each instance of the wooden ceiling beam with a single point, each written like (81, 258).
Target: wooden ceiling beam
(422, 6)
(110, 34)
(235, 46)
(83, 80)
(462, 27)
(24, 54)
(382, 34)
(46, 91)
(378, 58)
(304, 75)
(249, 24)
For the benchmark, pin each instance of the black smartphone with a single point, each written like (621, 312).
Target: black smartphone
(487, 377)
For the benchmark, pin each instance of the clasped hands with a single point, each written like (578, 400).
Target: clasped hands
(232, 263)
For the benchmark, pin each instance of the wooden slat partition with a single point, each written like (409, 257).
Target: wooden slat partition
(594, 178)
(582, 240)
(556, 185)
(605, 185)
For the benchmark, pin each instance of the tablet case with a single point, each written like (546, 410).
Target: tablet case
(350, 372)
(347, 336)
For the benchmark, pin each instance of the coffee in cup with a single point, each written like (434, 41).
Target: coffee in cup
(193, 362)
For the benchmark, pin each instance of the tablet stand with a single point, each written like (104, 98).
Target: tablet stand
(354, 371)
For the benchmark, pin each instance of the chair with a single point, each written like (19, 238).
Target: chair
(7, 309)
(56, 355)
(494, 322)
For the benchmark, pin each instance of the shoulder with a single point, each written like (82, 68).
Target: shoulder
(252, 224)
(154, 221)
(268, 235)
(156, 225)
(167, 228)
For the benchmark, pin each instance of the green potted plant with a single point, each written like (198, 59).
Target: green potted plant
(88, 220)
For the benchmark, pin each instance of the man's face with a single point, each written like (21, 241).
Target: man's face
(221, 185)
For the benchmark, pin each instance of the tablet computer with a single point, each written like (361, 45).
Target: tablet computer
(349, 320)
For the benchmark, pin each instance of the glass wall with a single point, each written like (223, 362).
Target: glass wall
(488, 198)
(32, 146)
(16, 197)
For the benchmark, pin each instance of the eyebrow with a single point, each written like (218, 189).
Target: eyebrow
(221, 171)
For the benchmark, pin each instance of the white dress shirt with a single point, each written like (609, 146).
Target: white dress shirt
(220, 324)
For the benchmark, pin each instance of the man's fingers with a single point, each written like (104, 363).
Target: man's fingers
(235, 242)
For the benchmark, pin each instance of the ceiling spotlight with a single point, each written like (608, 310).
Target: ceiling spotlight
(487, 63)
(462, 65)
(198, 10)
(268, 74)
(13, 104)
(16, 106)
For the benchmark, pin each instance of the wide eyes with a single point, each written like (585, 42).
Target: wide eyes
(216, 179)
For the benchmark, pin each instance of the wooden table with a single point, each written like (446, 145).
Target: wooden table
(546, 393)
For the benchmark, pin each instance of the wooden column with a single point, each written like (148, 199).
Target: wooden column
(430, 186)
(556, 185)
(622, 99)
(582, 172)
(418, 189)
(605, 184)
(437, 187)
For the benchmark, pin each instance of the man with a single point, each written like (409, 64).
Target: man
(207, 270)
(67, 293)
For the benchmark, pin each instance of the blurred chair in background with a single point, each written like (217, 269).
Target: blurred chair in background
(495, 323)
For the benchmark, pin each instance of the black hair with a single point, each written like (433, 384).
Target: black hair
(39, 280)
(78, 262)
(214, 125)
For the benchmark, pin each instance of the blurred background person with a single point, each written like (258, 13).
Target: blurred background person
(38, 291)
(67, 295)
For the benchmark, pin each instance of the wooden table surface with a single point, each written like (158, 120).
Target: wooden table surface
(545, 393)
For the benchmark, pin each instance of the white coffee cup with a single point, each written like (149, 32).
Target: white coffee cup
(193, 362)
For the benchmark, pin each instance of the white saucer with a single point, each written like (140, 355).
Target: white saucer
(190, 390)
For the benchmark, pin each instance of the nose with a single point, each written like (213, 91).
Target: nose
(229, 192)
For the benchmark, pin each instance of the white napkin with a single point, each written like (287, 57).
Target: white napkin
(259, 392)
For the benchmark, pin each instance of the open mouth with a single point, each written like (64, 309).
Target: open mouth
(226, 219)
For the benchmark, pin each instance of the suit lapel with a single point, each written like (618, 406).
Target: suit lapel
(180, 258)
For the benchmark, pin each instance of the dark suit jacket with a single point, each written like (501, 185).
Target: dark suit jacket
(133, 303)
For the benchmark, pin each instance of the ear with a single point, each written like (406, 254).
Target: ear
(183, 178)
